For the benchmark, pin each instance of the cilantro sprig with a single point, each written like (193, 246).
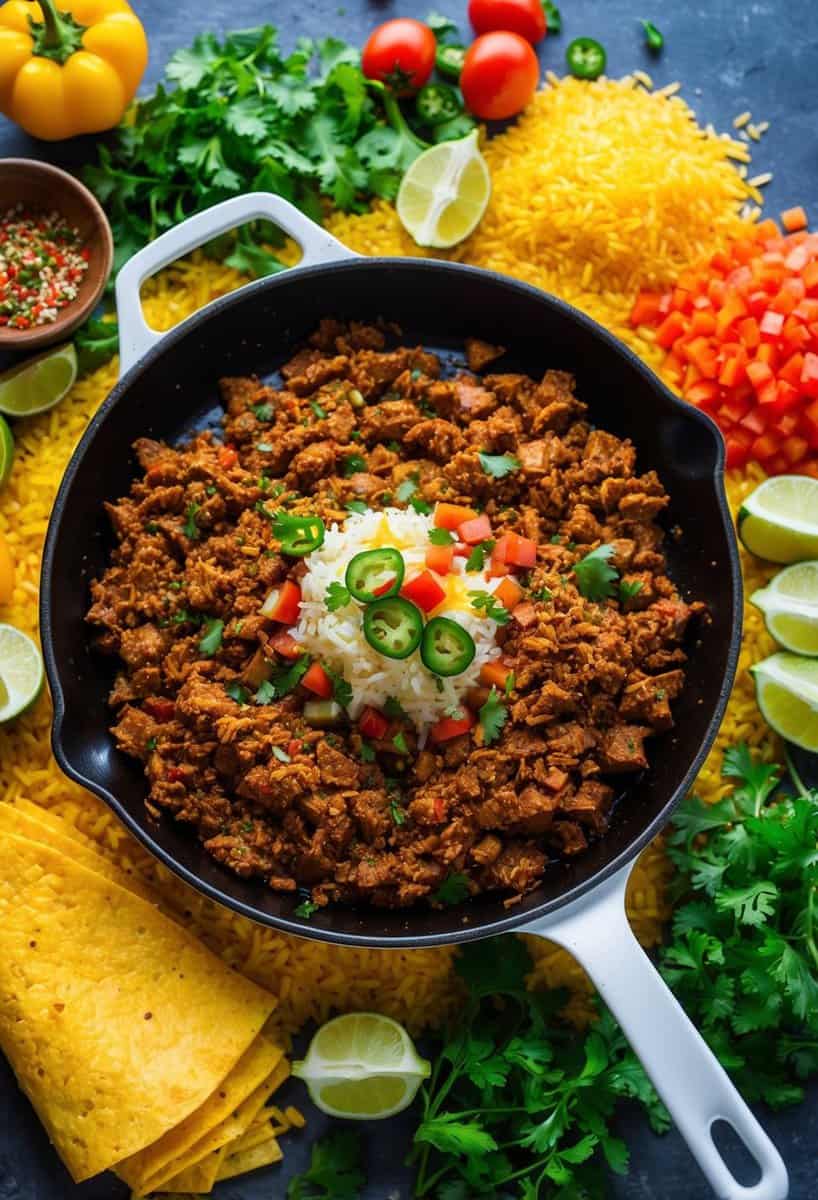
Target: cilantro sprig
(499, 465)
(596, 578)
(335, 1170)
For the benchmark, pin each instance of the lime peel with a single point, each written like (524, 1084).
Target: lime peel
(39, 383)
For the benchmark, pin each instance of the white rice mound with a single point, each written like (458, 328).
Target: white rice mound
(337, 638)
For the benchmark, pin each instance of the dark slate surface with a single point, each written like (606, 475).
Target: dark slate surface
(761, 56)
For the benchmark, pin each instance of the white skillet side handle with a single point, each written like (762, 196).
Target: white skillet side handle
(135, 336)
(691, 1082)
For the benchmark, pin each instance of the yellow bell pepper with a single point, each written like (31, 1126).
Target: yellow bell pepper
(69, 69)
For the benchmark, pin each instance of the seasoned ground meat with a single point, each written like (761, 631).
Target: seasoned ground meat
(358, 421)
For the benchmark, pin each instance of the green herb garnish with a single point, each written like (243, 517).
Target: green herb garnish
(262, 412)
(452, 890)
(212, 639)
(596, 578)
(486, 604)
(336, 596)
(352, 464)
(492, 716)
(441, 537)
(499, 465)
(190, 528)
(653, 38)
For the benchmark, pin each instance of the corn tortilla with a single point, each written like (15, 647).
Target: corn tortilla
(108, 1009)
(262, 1155)
(254, 1136)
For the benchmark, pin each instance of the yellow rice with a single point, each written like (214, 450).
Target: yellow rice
(598, 189)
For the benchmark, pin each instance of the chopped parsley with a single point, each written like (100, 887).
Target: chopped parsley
(399, 742)
(282, 681)
(176, 585)
(236, 692)
(336, 596)
(341, 690)
(420, 506)
(352, 464)
(306, 909)
(183, 616)
(151, 527)
(627, 590)
(493, 716)
(441, 537)
(452, 890)
(212, 639)
(393, 709)
(596, 578)
(150, 744)
(263, 412)
(555, 539)
(190, 528)
(478, 554)
(499, 465)
(367, 753)
(397, 811)
(319, 412)
(356, 506)
(542, 594)
(486, 604)
(281, 755)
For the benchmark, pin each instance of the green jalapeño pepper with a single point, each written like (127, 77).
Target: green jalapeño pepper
(586, 58)
(449, 60)
(436, 103)
(298, 535)
(375, 574)
(393, 626)
(447, 648)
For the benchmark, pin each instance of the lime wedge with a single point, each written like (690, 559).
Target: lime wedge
(790, 607)
(21, 672)
(444, 193)
(6, 450)
(787, 694)
(779, 520)
(362, 1066)
(39, 383)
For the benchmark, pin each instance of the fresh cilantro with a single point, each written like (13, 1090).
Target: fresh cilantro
(150, 744)
(399, 742)
(281, 755)
(336, 596)
(212, 639)
(452, 890)
(319, 412)
(629, 589)
(493, 716)
(367, 753)
(499, 465)
(352, 464)
(284, 680)
(440, 25)
(420, 506)
(356, 506)
(441, 537)
(151, 527)
(190, 528)
(183, 616)
(486, 604)
(393, 709)
(96, 343)
(397, 812)
(341, 690)
(305, 910)
(543, 594)
(176, 585)
(263, 412)
(553, 17)
(236, 692)
(478, 554)
(406, 490)
(511, 681)
(596, 578)
(335, 1170)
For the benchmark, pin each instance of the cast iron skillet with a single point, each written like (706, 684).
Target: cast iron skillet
(169, 388)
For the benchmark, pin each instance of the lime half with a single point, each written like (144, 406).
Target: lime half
(362, 1066)
(21, 672)
(790, 607)
(779, 520)
(444, 193)
(6, 451)
(787, 694)
(39, 383)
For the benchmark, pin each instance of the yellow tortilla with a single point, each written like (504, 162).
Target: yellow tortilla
(199, 1177)
(254, 1136)
(118, 1022)
(262, 1155)
(228, 1130)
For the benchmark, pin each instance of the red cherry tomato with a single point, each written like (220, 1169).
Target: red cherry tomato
(499, 76)
(401, 54)
(525, 17)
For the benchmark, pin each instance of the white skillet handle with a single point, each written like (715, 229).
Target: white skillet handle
(135, 336)
(693, 1085)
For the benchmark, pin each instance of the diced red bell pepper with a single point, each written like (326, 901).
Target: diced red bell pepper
(771, 325)
(787, 398)
(282, 603)
(159, 707)
(749, 333)
(645, 308)
(285, 644)
(316, 680)
(449, 516)
(373, 724)
(808, 381)
(447, 727)
(794, 448)
(424, 591)
(474, 530)
(175, 774)
(672, 327)
(439, 558)
(791, 370)
(734, 369)
(755, 422)
(759, 373)
(737, 445)
(294, 747)
(509, 593)
(494, 674)
(794, 218)
(228, 457)
(703, 322)
(515, 551)
(703, 394)
(809, 424)
(764, 447)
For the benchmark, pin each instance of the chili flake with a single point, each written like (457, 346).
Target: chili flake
(42, 263)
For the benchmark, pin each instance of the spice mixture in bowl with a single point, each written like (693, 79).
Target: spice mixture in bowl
(403, 634)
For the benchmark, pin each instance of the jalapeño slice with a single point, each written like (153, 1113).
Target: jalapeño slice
(447, 648)
(375, 574)
(298, 535)
(393, 626)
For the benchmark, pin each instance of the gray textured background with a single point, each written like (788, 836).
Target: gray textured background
(731, 56)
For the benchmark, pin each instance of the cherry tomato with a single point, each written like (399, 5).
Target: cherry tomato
(499, 76)
(525, 17)
(401, 54)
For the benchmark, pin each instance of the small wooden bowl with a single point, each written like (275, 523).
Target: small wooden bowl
(39, 187)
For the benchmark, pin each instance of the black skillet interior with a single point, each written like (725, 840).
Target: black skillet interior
(174, 391)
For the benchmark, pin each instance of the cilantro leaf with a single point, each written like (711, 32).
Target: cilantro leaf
(452, 890)
(262, 412)
(305, 910)
(397, 812)
(628, 589)
(459, 1137)
(595, 576)
(499, 465)
(441, 537)
(337, 596)
(356, 506)
(96, 343)
(486, 604)
(393, 709)
(752, 905)
(352, 464)
(493, 716)
(341, 690)
(282, 681)
(335, 1170)
(399, 742)
(237, 692)
(478, 554)
(367, 752)
(190, 528)
(212, 639)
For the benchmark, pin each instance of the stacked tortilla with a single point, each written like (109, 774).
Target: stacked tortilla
(140, 1050)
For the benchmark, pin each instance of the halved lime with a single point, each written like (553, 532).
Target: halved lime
(787, 694)
(6, 450)
(790, 606)
(362, 1066)
(444, 193)
(21, 672)
(38, 383)
(779, 520)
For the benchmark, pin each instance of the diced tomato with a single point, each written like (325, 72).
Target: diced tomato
(734, 369)
(447, 727)
(759, 373)
(497, 569)
(771, 325)
(515, 551)
(787, 399)
(439, 559)
(424, 591)
(703, 394)
(294, 747)
(449, 516)
(316, 680)
(755, 422)
(672, 327)
(159, 708)
(228, 457)
(764, 446)
(645, 308)
(794, 218)
(285, 644)
(737, 445)
(808, 381)
(282, 603)
(175, 774)
(373, 724)
(749, 333)
(794, 449)
(474, 530)
(791, 371)
(494, 674)
(509, 593)
(703, 322)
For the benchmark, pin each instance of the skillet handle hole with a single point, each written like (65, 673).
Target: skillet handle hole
(738, 1158)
